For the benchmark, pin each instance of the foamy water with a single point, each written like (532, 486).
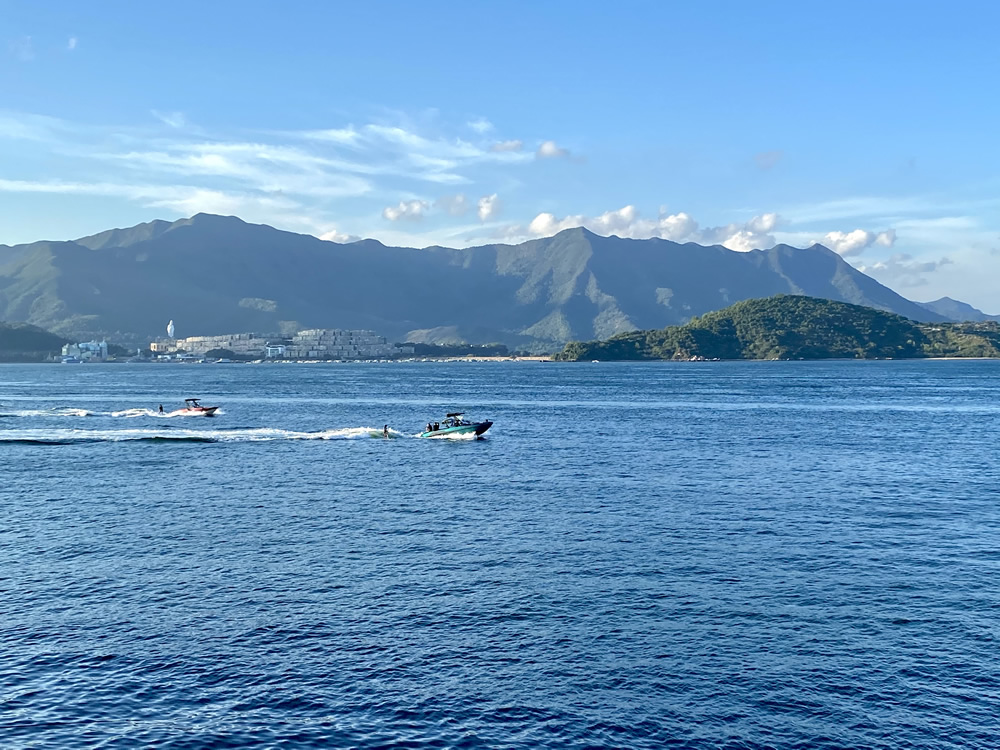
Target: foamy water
(263, 434)
(73, 411)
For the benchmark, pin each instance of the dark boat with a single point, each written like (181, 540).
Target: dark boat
(454, 425)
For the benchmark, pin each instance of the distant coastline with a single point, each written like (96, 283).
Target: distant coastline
(784, 327)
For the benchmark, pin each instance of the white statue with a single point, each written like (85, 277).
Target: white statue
(170, 329)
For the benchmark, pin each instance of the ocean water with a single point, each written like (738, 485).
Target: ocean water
(692, 555)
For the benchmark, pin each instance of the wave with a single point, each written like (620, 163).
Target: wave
(251, 435)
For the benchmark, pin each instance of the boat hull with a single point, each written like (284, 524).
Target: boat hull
(477, 428)
(207, 411)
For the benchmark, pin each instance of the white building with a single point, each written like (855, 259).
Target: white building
(87, 351)
(335, 343)
(314, 343)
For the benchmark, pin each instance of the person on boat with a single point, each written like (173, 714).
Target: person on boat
(385, 431)
(437, 426)
(430, 427)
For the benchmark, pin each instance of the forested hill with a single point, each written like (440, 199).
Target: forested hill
(796, 327)
(20, 342)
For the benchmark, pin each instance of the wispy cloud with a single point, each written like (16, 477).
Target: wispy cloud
(507, 146)
(272, 176)
(766, 160)
(173, 119)
(22, 49)
(71, 44)
(454, 205)
(481, 125)
(902, 270)
(183, 199)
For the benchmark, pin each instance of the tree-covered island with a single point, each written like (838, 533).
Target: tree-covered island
(795, 327)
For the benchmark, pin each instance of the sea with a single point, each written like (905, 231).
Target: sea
(737, 555)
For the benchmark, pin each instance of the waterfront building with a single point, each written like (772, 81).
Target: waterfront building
(313, 343)
(335, 343)
(86, 351)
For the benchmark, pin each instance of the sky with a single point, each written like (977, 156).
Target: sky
(870, 127)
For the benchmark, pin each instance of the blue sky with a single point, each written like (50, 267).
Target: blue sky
(870, 127)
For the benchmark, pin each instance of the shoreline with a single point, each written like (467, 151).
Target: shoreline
(529, 358)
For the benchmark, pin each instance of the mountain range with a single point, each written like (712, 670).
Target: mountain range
(216, 274)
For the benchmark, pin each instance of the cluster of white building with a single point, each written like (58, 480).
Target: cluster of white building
(249, 344)
(314, 343)
(86, 351)
(334, 343)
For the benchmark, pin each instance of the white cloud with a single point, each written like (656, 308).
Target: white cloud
(71, 44)
(752, 235)
(680, 227)
(855, 242)
(507, 146)
(410, 210)
(336, 236)
(550, 150)
(455, 205)
(488, 207)
(677, 227)
(886, 238)
(481, 125)
(173, 119)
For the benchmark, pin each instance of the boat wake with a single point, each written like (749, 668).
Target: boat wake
(252, 435)
(59, 411)
(70, 411)
(453, 436)
(133, 413)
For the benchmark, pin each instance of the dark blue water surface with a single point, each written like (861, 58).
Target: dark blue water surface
(695, 555)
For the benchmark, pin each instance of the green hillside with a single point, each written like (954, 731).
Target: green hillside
(20, 342)
(796, 327)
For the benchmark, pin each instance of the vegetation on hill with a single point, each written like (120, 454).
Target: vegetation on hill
(20, 342)
(796, 327)
(227, 354)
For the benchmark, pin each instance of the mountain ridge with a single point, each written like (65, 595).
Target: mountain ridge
(214, 274)
(956, 310)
